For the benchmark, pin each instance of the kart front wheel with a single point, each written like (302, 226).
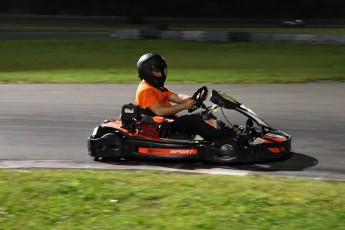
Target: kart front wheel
(226, 150)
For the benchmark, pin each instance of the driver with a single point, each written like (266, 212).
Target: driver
(155, 99)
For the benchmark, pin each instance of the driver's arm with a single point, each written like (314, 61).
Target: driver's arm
(179, 98)
(161, 110)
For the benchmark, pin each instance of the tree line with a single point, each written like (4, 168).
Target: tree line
(304, 9)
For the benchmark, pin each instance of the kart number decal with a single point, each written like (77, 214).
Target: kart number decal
(177, 152)
(229, 98)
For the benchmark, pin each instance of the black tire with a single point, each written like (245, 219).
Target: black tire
(226, 150)
(101, 131)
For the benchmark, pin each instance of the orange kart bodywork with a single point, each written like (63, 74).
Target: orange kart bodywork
(139, 136)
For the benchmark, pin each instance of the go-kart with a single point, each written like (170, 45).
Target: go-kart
(137, 135)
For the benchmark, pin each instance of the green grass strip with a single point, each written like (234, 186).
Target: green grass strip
(86, 199)
(114, 61)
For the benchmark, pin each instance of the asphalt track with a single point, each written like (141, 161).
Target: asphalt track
(46, 125)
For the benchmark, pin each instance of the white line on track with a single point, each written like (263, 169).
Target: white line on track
(56, 164)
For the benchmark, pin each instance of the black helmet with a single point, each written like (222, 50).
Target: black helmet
(149, 62)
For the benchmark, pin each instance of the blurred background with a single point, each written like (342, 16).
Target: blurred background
(268, 12)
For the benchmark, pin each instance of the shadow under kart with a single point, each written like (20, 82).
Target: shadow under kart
(298, 162)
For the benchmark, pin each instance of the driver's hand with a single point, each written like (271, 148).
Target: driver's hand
(204, 96)
(189, 103)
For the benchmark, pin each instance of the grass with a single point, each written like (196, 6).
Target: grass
(114, 61)
(85, 199)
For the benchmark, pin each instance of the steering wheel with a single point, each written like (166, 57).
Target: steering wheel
(199, 96)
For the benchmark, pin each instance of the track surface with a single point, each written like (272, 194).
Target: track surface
(46, 125)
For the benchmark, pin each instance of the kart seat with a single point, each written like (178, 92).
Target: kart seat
(129, 115)
(135, 118)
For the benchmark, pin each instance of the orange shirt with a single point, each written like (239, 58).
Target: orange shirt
(148, 95)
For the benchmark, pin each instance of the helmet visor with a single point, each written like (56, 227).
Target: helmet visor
(163, 70)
